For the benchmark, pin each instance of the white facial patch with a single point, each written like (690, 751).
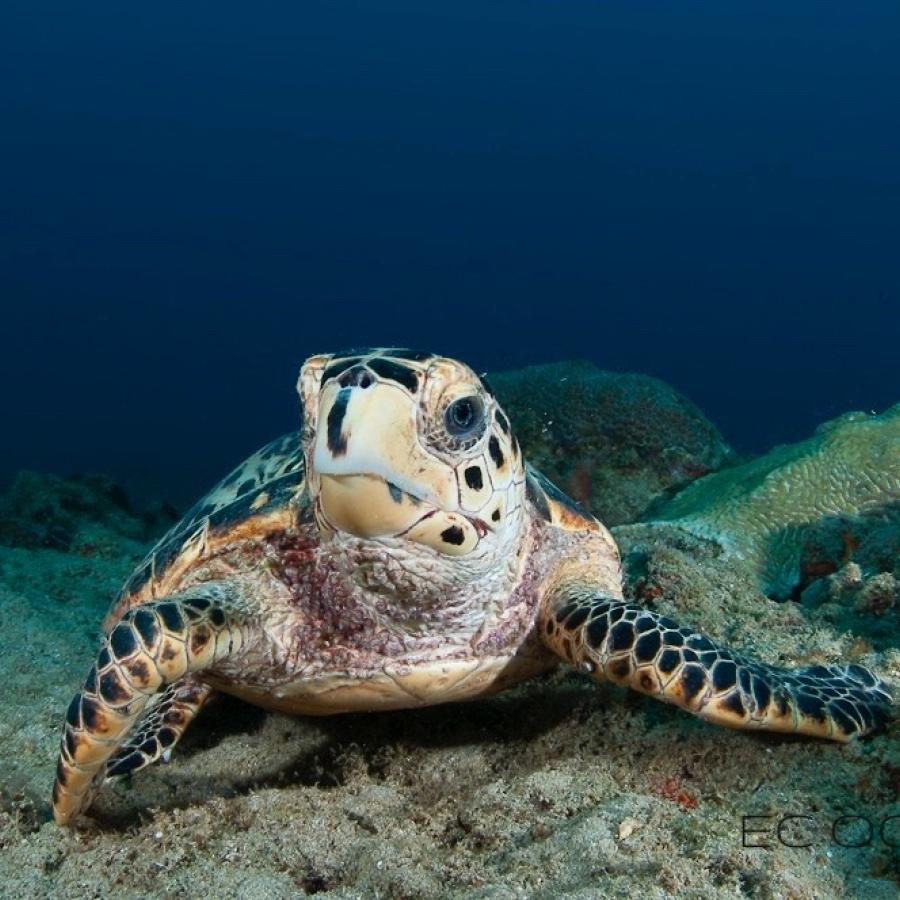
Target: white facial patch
(372, 431)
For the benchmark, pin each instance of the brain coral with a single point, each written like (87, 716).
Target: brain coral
(802, 504)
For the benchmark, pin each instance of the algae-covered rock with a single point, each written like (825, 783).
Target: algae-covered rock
(614, 442)
(86, 514)
(804, 510)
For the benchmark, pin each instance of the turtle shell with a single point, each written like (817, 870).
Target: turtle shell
(261, 486)
(549, 503)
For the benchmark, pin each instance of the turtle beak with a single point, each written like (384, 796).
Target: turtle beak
(368, 430)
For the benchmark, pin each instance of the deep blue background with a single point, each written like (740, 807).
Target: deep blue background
(195, 196)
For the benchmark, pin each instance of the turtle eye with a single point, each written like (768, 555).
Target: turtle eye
(464, 416)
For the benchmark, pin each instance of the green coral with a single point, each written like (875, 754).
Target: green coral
(801, 506)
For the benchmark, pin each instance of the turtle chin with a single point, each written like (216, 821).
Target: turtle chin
(369, 506)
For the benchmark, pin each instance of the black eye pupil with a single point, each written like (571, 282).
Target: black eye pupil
(462, 413)
(463, 416)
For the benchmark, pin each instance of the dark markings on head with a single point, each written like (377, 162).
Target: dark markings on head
(502, 421)
(474, 478)
(355, 351)
(217, 617)
(453, 535)
(495, 515)
(358, 376)
(495, 451)
(337, 443)
(403, 375)
(395, 492)
(337, 367)
(412, 355)
(486, 385)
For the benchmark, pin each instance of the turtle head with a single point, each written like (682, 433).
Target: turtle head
(407, 445)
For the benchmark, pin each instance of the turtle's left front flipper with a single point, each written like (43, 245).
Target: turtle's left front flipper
(620, 641)
(153, 648)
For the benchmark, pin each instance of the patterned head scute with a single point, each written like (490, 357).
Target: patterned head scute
(402, 443)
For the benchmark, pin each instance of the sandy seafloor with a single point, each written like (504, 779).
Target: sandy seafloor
(557, 788)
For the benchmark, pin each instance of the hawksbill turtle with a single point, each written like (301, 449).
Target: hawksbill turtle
(399, 552)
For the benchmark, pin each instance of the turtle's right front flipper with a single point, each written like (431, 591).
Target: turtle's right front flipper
(151, 647)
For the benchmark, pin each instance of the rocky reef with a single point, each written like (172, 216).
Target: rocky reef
(556, 788)
(617, 443)
(85, 514)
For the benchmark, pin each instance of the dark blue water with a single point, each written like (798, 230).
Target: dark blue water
(193, 197)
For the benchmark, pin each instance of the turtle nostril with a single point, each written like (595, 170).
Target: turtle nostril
(358, 376)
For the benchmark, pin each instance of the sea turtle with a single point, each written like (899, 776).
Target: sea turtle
(398, 553)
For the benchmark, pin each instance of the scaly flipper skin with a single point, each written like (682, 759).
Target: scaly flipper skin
(161, 728)
(152, 646)
(621, 642)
